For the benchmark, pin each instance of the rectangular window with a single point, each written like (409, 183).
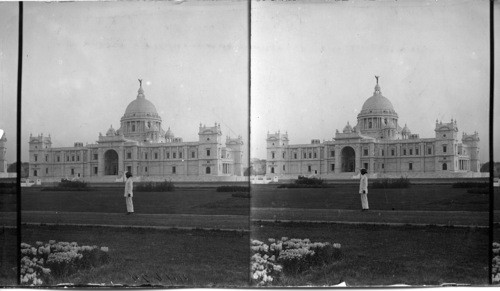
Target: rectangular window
(77, 158)
(366, 166)
(444, 148)
(208, 153)
(332, 153)
(46, 158)
(295, 155)
(193, 155)
(72, 158)
(180, 155)
(95, 170)
(129, 169)
(365, 152)
(332, 167)
(382, 166)
(145, 169)
(67, 158)
(272, 155)
(314, 155)
(392, 152)
(310, 155)
(36, 158)
(156, 156)
(382, 153)
(58, 158)
(410, 166)
(129, 156)
(404, 152)
(283, 155)
(416, 151)
(309, 168)
(429, 151)
(173, 170)
(283, 167)
(174, 155)
(46, 170)
(168, 155)
(72, 171)
(145, 156)
(411, 152)
(305, 155)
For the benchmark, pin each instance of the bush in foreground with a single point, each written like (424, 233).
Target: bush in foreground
(164, 186)
(495, 272)
(402, 182)
(289, 257)
(41, 263)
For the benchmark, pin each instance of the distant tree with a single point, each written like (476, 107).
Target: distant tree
(25, 168)
(486, 168)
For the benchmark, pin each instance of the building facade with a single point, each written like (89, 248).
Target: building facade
(142, 147)
(379, 144)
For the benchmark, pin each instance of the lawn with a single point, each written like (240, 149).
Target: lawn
(158, 257)
(345, 196)
(384, 255)
(8, 257)
(111, 200)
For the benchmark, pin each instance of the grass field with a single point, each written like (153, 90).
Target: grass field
(8, 257)
(158, 257)
(111, 200)
(345, 196)
(384, 255)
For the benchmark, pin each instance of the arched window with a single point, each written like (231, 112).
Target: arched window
(445, 167)
(207, 170)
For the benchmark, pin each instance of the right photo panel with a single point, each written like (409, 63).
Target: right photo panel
(370, 143)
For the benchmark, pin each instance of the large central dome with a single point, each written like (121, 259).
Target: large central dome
(140, 105)
(377, 103)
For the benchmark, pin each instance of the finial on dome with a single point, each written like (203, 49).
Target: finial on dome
(140, 91)
(377, 87)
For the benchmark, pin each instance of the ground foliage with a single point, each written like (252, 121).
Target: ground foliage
(8, 188)
(306, 182)
(398, 183)
(68, 185)
(233, 189)
(165, 186)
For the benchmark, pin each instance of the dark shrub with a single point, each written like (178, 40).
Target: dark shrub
(470, 185)
(402, 182)
(233, 189)
(482, 190)
(67, 185)
(8, 188)
(164, 186)
(308, 181)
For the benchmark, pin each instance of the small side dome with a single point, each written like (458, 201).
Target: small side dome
(169, 133)
(406, 130)
(347, 128)
(111, 131)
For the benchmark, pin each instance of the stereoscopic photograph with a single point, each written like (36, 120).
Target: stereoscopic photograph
(237, 144)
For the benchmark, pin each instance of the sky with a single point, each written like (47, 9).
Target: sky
(314, 62)
(82, 62)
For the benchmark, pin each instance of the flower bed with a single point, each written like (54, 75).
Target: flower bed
(495, 272)
(289, 257)
(42, 262)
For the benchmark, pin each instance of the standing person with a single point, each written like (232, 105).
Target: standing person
(129, 187)
(363, 190)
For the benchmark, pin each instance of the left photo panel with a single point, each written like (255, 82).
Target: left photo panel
(9, 33)
(135, 130)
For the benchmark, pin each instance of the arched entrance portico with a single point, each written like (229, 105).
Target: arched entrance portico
(111, 162)
(348, 159)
